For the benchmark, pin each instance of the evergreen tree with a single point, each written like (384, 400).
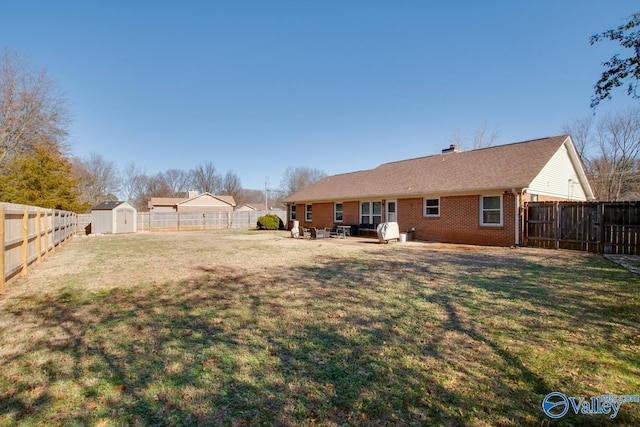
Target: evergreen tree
(42, 178)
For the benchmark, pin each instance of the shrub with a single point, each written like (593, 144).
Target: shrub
(270, 222)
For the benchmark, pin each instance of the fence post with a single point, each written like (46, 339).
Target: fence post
(46, 234)
(24, 246)
(2, 250)
(558, 221)
(38, 237)
(603, 245)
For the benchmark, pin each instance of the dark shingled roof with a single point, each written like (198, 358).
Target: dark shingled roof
(500, 167)
(106, 206)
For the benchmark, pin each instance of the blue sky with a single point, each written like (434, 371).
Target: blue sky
(258, 86)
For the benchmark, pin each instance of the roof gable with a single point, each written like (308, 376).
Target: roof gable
(499, 167)
(254, 206)
(208, 199)
(563, 177)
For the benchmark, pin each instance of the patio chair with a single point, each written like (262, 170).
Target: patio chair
(305, 233)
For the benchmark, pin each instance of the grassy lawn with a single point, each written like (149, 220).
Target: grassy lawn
(238, 328)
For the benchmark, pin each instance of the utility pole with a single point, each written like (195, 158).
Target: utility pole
(266, 193)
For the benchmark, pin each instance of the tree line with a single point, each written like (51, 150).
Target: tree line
(101, 180)
(38, 168)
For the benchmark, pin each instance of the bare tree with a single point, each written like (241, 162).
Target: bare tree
(249, 196)
(580, 130)
(99, 180)
(619, 146)
(205, 178)
(610, 153)
(31, 112)
(179, 181)
(131, 182)
(295, 179)
(156, 186)
(481, 137)
(149, 186)
(231, 185)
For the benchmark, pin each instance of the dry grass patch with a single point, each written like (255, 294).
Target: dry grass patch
(256, 328)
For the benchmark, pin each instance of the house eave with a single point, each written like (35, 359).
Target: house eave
(414, 195)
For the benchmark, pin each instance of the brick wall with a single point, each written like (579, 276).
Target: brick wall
(459, 221)
(351, 213)
(322, 214)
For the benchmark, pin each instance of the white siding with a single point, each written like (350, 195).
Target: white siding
(106, 221)
(157, 209)
(125, 219)
(204, 200)
(558, 178)
(204, 203)
(101, 222)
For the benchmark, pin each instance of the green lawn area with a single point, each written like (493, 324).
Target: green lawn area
(276, 331)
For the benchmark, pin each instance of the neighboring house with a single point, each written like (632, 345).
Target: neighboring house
(113, 217)
(251, 207)
(473, 197)
(196, 203)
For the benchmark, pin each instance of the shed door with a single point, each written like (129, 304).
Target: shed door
(124, 221)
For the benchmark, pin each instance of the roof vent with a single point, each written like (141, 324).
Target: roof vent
(453, 148)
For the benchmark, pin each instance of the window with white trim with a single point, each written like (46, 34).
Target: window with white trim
(308, 213)
(371, 213)
(432, 207)
(338, 209)
(491, 210)
(292, 213)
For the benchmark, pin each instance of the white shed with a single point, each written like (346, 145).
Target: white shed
(113, 217)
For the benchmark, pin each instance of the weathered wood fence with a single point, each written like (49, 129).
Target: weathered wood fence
(28, 234)
(601, 227)
(185, 221)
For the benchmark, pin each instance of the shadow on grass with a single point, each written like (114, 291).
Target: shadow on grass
(399, 337)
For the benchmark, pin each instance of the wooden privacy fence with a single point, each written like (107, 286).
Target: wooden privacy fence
(28, 234)
(185, 221)
(601, 227)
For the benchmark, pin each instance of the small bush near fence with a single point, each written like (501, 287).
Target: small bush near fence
(270, 222)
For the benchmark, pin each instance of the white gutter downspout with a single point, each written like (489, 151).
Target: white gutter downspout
(517, 215)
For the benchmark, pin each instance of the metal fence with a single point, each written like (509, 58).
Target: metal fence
(601, 227)
(186, 221)
(28, 234)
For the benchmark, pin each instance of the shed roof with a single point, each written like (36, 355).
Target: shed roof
(500, 167)
(107, 206)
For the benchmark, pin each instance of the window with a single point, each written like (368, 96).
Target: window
(337, 212)
(432, 207)
(491, 210)
(307, 213)
(292, 214)
(371, 213)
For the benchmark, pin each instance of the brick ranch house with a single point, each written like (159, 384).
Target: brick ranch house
(468, 197)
